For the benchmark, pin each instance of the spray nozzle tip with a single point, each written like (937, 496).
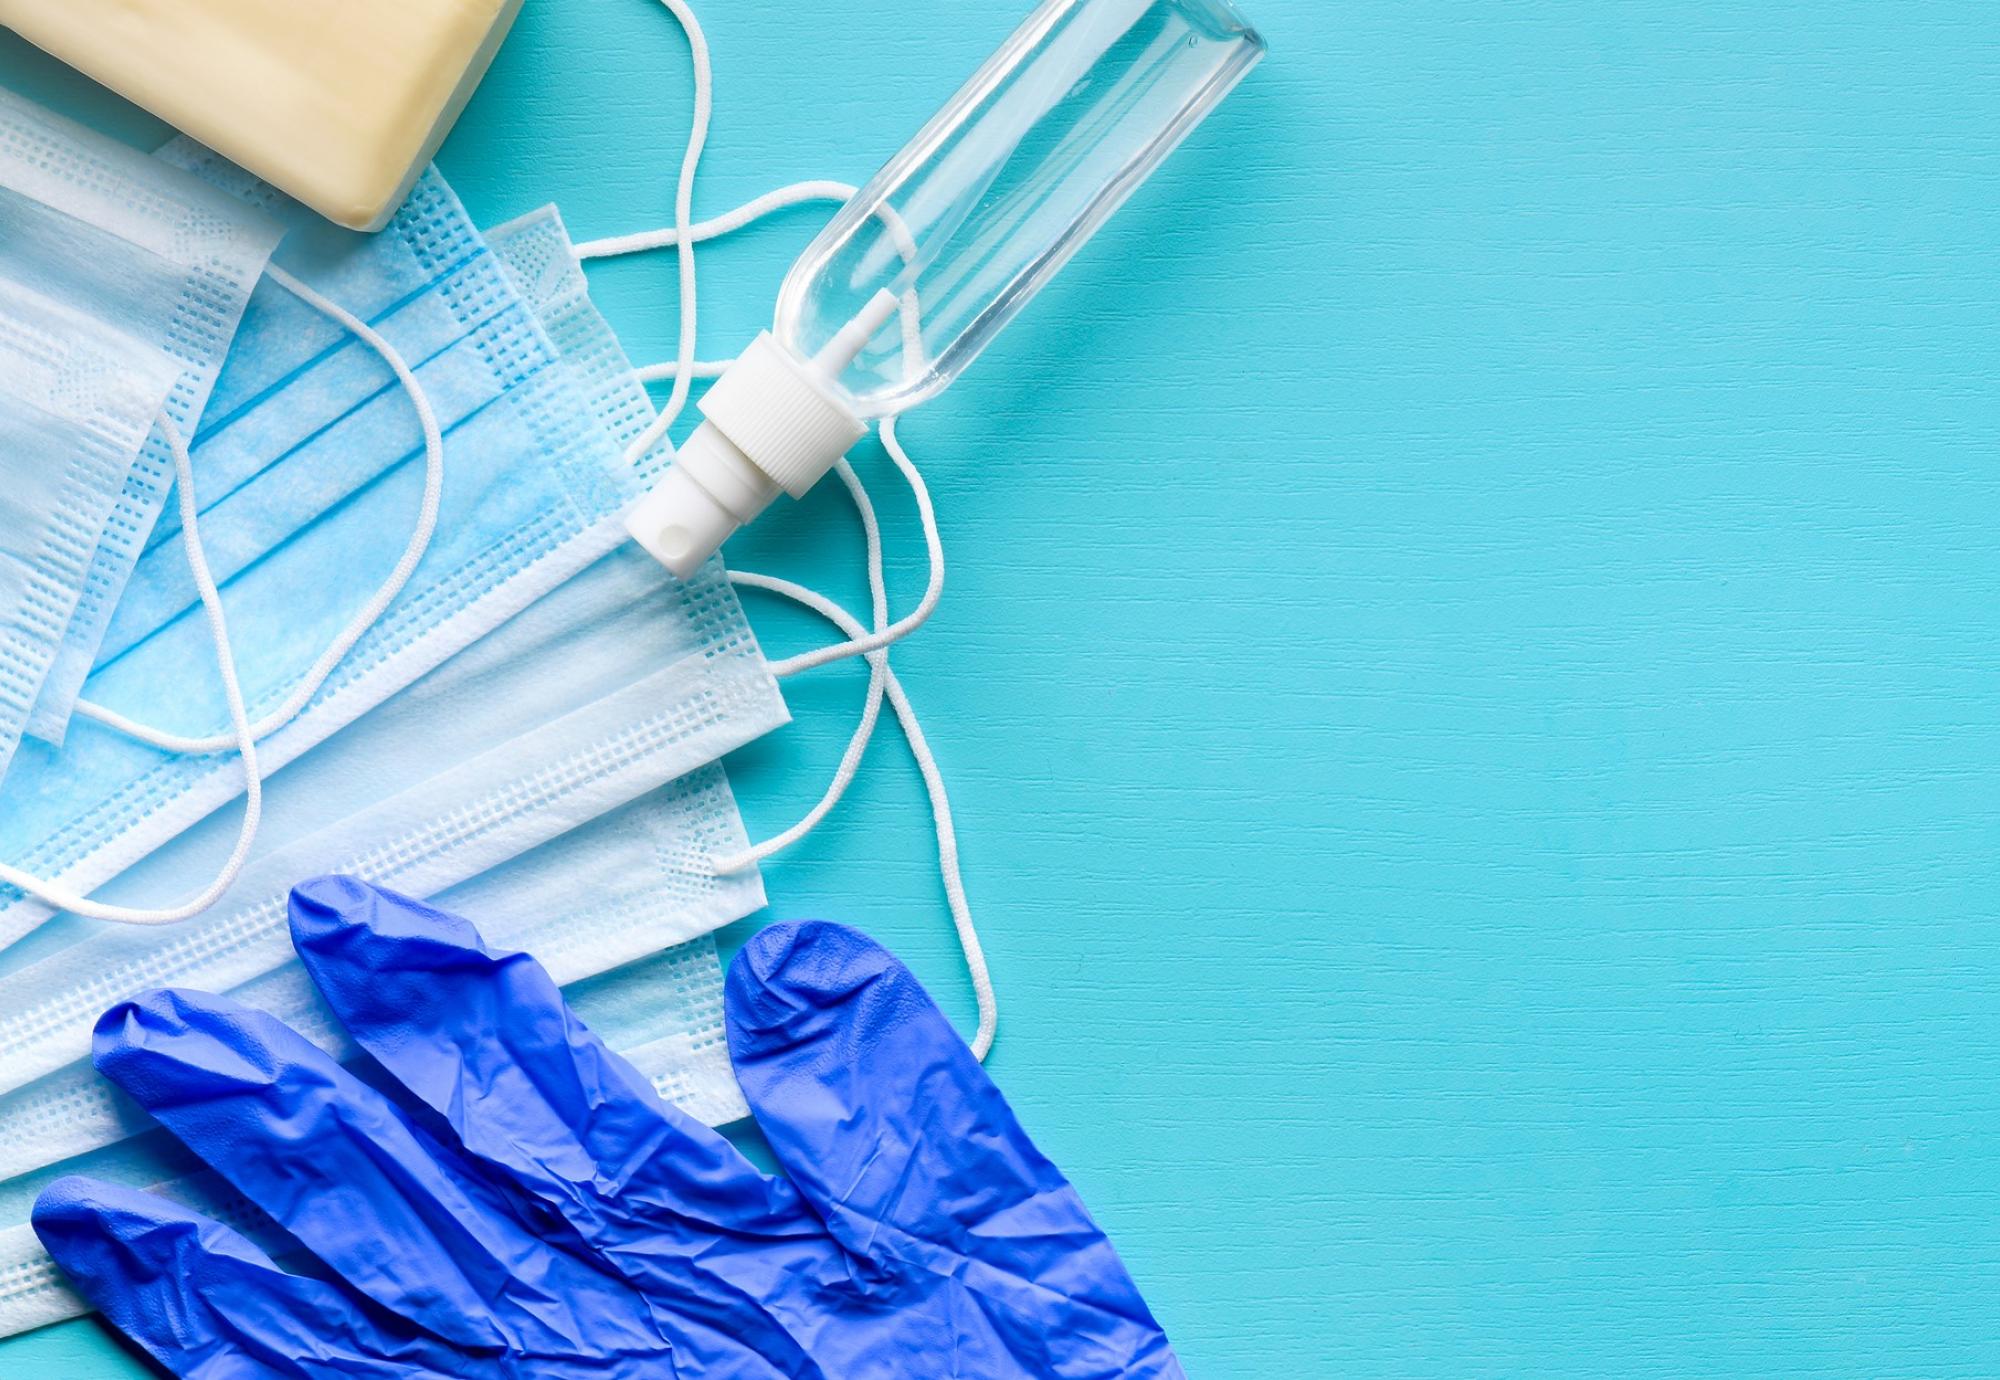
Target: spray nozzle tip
(680, 523)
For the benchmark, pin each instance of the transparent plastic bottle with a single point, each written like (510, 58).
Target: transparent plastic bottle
(925, 265)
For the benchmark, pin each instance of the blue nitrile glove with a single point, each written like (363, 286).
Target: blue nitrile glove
(542, 1213)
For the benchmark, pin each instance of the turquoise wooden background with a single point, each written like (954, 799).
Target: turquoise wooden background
(1470, 665)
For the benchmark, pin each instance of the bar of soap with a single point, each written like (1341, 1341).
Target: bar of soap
(341, 103)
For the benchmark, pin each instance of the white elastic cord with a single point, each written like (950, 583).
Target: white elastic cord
(704, 101)
(947, 837)
(358, 626)
(878, 668)
(700, 369)
(933, 589)
(797, 194)
(245, 740)
(750, 212)
(882, 682)
(878, 663)
(701, 232)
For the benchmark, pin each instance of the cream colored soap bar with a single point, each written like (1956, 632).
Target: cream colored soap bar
(339, 102)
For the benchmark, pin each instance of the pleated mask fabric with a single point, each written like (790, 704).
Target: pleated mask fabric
(77, 402)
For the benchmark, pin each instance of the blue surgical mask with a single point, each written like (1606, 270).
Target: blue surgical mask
(134, 251)
(304, 416)
(531, 494)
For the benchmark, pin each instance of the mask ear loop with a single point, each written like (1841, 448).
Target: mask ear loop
(701, 232)
(940, 802)
(883, 637)
(704, 104)
(877, 655)
(871, 710)
(385, 595)
(245, 740)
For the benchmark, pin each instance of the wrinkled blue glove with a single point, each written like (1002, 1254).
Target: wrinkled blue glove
(535, 1210)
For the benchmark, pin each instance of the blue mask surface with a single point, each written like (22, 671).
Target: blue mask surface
(308, 466)
(305, 417)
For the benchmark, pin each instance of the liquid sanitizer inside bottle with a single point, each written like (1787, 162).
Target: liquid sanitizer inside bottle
(922, 268)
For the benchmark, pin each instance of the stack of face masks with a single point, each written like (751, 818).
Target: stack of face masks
(528, 729)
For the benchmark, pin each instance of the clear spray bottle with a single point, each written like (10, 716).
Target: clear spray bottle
(925, 265)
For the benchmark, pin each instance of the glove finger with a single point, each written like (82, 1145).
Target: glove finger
(895, 1134)
(487, 1041)
(399, 1217)
(205, 1302)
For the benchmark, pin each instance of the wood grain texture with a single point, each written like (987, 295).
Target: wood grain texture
(1469, 667)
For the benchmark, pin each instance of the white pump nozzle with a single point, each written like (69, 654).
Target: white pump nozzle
(772, 421)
